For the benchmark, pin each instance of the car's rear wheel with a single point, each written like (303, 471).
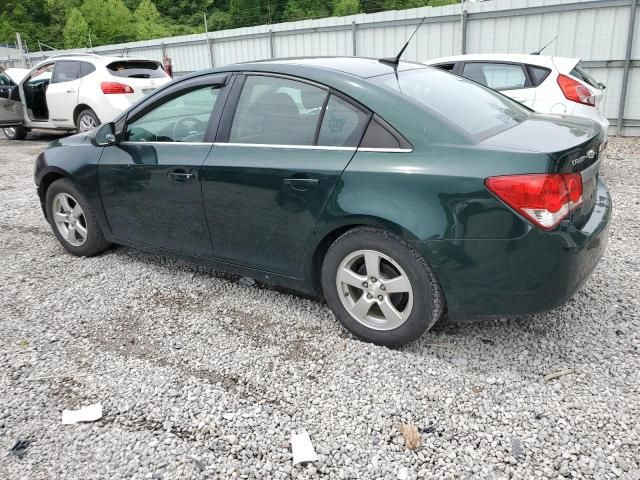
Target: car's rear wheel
(380, 288)
(87, 121)
(73, 221)
(15, 133)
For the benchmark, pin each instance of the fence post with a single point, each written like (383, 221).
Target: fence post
(271, 44)
(463, 26)
(354, 46)
(627, 66)
(210, 48)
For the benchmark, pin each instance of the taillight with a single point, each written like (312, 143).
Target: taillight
(575, 91)
(115, 87)
(545, 198)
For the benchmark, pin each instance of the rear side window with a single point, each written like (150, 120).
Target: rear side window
(86, 68)
(581, 74)
(277, 111)
(380, 134)
(66, 72)
(136, 69)
(342, 124)
(499, 76)
(445, 66)
(538, 74)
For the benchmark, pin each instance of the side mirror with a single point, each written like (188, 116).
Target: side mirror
(104, 135)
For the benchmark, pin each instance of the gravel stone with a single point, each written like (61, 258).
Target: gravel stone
(202, 375)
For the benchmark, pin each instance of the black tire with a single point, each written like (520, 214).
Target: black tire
(15, 133)
(94, 243)
(88, 115)
(428, 299)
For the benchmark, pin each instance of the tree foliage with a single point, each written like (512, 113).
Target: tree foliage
(68, 23)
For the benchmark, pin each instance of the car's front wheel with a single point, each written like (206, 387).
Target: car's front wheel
(380, 288)
(87, 121)
(15, 133)
(73, 221)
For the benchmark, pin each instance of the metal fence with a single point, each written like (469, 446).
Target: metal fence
(601, 32)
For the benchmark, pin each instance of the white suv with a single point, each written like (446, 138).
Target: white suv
(76, 92)
(556, 85)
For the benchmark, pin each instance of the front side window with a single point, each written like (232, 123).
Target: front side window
(499, 76)
(342, 124)
(277, 111)
(41, 75)
(182, 119)
(66, 72)
(476, 110)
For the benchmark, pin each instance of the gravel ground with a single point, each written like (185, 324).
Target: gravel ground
(203, 376)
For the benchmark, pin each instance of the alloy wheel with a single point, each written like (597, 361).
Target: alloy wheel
(69, 219)
(87, 123)
(374, 289)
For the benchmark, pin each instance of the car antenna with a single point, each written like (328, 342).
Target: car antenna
(540, 51)
(396, 60)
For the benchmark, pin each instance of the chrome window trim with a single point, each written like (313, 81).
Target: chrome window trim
(385, 150)
(275, 145)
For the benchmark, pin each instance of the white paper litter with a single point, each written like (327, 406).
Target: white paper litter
(90, 413)
(302, 448)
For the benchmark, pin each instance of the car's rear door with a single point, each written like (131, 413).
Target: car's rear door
(510, 79)
(62, 93)
(10, 106)
(282, 147)
(150, 181)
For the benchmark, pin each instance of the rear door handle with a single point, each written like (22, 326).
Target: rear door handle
(180, 176)
(71, 91)
(302, 184)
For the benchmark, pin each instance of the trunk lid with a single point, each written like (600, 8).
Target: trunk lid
(144, 76)
(572, 144)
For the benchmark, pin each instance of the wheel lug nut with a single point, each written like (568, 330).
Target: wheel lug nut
(369, 296)
(382, 287)
(373, 279)
(365, 284)
(380, 297)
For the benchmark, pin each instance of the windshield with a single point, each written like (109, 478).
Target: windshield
(478, 111)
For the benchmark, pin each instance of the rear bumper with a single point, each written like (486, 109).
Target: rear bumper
(534, 273)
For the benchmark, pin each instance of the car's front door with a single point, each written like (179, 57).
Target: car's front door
(62, 93)
(10, 106)
(279, 154)
(150, 181)
(509, 79)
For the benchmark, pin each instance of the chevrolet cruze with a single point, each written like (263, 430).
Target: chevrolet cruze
(398, 192)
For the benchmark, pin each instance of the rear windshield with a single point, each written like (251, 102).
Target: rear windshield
(136, 69)
(476, 110)
(581, 74)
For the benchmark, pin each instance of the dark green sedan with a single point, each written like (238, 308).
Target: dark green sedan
(398, 193)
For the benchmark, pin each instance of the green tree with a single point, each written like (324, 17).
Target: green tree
(302, 9)
(76, 30)
(110, 21)
(346, 7)
(219, 20)
(246, 12)
(147, 21)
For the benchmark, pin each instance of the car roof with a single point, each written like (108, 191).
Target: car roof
(358, 66)
(88, 57)
(541, 60)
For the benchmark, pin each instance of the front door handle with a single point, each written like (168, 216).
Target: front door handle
(302, 184)
(180, 176)
(71, 91)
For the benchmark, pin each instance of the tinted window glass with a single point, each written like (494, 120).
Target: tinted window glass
(470, 107)
(581, 74)
(66, 72)
(380, 134)
(499, 76)
(538, 74)
(181, 119)
(445, 66)
(86, 68)
(342, 124)
(5, 81)
(136, 69)
(277, 111)
(41, 75)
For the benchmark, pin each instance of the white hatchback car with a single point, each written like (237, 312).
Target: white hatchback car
(76, 92)
(556, 85)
